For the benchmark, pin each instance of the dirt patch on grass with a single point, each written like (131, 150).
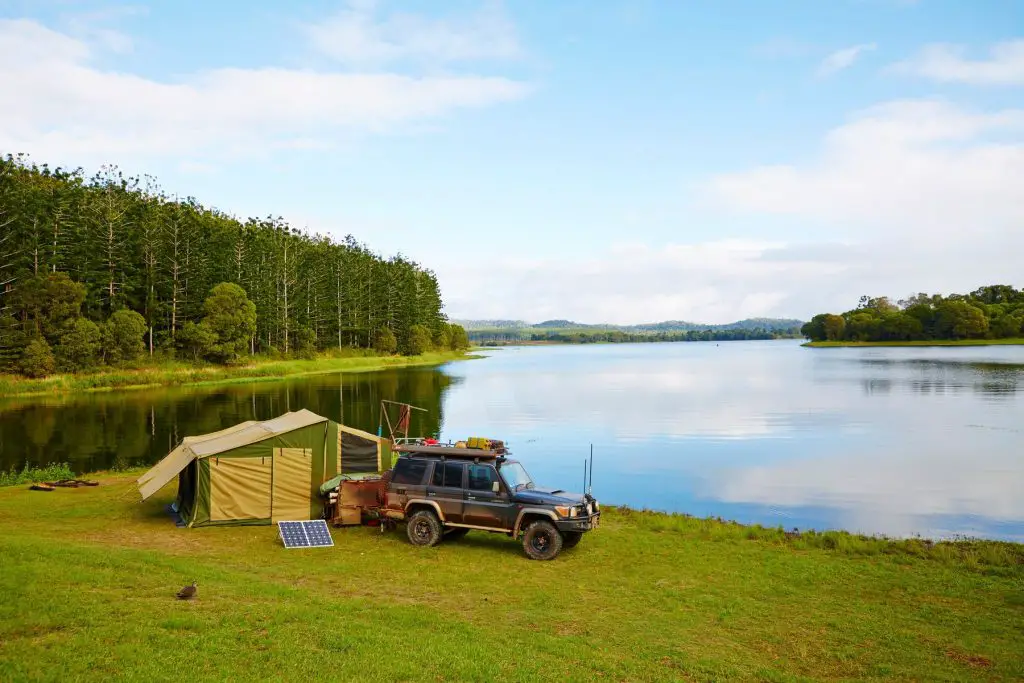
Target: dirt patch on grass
(973, 661)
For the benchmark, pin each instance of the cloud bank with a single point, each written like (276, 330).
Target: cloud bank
(906, 196)
(69, 108)
(946, 63)
(359, 34)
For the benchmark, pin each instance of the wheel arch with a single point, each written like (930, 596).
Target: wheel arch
(418, 504)
(527, 515)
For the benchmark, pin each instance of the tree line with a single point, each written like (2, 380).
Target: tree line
(485, 337)
(116, 253)
(989, 312)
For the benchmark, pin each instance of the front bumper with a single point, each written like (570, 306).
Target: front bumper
(578, 524)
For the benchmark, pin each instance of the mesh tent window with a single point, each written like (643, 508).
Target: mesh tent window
(359, 455)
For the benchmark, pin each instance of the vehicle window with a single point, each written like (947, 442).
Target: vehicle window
(515, 476)
(450, 474)
(481, 477)
(409, 471)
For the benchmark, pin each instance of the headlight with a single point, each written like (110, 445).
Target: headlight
(565, 510)
(596, 506)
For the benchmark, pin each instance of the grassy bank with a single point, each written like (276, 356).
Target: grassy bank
(87, 591)
(176, 373)
(935, 342)
(31, 475)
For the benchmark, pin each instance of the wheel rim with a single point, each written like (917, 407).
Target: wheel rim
(421, 530)
(541, 541)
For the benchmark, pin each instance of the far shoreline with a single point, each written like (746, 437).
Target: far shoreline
(1013, 341)
(178, 374)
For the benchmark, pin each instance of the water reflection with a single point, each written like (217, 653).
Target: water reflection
(118, 429)
(767, 433)
(894, 441)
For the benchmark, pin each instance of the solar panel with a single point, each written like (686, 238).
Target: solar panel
(312, 533)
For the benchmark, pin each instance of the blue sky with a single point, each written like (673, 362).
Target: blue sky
(602, 160)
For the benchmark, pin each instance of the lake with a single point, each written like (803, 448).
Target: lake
(896, 441)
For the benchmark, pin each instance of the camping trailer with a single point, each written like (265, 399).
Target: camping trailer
(263, 472)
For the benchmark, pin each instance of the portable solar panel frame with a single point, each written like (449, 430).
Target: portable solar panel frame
(306, 526)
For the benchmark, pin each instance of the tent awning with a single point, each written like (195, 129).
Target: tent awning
(166, 469)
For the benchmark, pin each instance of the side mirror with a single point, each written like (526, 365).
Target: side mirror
(495, 487)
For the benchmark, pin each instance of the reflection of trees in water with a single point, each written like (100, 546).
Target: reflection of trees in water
(990, 380)
(995, 387)
(96, 431)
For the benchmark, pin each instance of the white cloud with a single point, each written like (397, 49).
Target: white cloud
(911, 168)
(359, 35)
(843, 59)
(907, 196)
(712, 282)
(947, 64)
(67, 108)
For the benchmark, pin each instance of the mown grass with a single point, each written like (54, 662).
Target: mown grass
(933, 342)
(31, 475)
(87, 592)
(177, 373)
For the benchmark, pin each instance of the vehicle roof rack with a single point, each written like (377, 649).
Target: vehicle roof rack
(449, 451)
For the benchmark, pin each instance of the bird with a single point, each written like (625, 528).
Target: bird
(188, 592)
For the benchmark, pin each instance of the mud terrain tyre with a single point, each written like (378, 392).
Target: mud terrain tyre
(570, 539)
(455, 533)
(541, 541)
(423, 528)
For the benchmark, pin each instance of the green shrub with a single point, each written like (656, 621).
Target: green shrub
(443, 337)
(231, 318)
(122, 336)
(37, 359)
(384, 341)
(418, 342)
(79, 347)
(30, 475)
(459, 338)
(195, 341)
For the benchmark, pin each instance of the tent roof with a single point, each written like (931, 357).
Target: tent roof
(361, 433)
(205, 445)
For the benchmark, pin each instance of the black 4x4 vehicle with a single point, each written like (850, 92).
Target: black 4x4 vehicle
(445, 492)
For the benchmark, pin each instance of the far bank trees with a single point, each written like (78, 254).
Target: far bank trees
(989, 312)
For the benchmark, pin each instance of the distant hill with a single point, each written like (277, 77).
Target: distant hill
(664, 326)
(469, 325)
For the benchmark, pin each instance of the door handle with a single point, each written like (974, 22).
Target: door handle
(470, 497)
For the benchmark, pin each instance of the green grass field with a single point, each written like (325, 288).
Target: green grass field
(934, 342)
(89, 575)
(177, 373)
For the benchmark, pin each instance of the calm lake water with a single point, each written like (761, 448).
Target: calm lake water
(897, 441)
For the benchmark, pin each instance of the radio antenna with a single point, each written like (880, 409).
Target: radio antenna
(590, 487)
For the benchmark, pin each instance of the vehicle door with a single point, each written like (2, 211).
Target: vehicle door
(446, 488)
(486, 506)
(408, 480)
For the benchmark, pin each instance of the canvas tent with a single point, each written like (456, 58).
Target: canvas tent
(263, 472)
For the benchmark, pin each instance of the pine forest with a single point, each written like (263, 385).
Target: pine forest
(105, 268)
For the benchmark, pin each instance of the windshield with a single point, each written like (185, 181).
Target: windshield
(515, 476)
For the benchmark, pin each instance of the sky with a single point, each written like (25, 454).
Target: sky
(618, 161)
